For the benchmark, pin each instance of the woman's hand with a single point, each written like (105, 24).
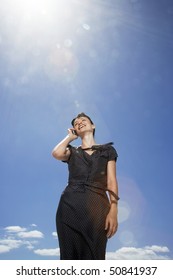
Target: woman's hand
(111, 224)
(72, 134)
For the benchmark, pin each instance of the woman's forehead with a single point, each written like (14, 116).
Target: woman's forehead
(80, 118)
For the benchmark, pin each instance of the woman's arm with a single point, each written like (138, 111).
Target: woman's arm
(111, 224)
(61, 151)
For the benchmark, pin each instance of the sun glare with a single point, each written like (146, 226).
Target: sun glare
(40, 10)
(41, 35)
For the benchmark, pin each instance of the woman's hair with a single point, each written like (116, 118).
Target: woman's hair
(83, 115)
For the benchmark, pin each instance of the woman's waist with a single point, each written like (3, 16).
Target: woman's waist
(95, 186)
(79, 185)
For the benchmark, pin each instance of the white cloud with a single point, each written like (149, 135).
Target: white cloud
(15, 229)
(31, 234)
(125, 253)
(22, 232)
(16, 237)
(11, 243)
(55, 234)
(33, 225)
(7, 245)
(4, 249)
(156, 248)
(30, 244)
(48, 252)
(146, 253)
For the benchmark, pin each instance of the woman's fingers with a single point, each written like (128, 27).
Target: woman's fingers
(111, 228)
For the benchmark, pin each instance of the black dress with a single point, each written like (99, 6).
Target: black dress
(84, 205)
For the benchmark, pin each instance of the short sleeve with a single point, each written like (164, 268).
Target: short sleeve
(112, 154)
(70, 148)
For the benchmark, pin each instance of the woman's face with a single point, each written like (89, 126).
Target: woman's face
(82, 125)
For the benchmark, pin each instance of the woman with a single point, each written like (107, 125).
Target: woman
(86, 217)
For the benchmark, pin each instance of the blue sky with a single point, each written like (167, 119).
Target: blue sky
(113, 60)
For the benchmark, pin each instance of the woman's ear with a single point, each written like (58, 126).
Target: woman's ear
(93, 126)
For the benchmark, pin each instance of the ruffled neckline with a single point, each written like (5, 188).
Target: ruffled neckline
(97, 147)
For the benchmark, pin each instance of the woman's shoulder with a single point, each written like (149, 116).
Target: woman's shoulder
(103, 146)
(110, 150)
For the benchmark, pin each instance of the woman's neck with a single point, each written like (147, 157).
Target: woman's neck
(88, 141)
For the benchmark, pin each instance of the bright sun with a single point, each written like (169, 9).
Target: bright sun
(41, 35)
(41, 11)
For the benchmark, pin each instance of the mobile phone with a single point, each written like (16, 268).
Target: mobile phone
(74, 132)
